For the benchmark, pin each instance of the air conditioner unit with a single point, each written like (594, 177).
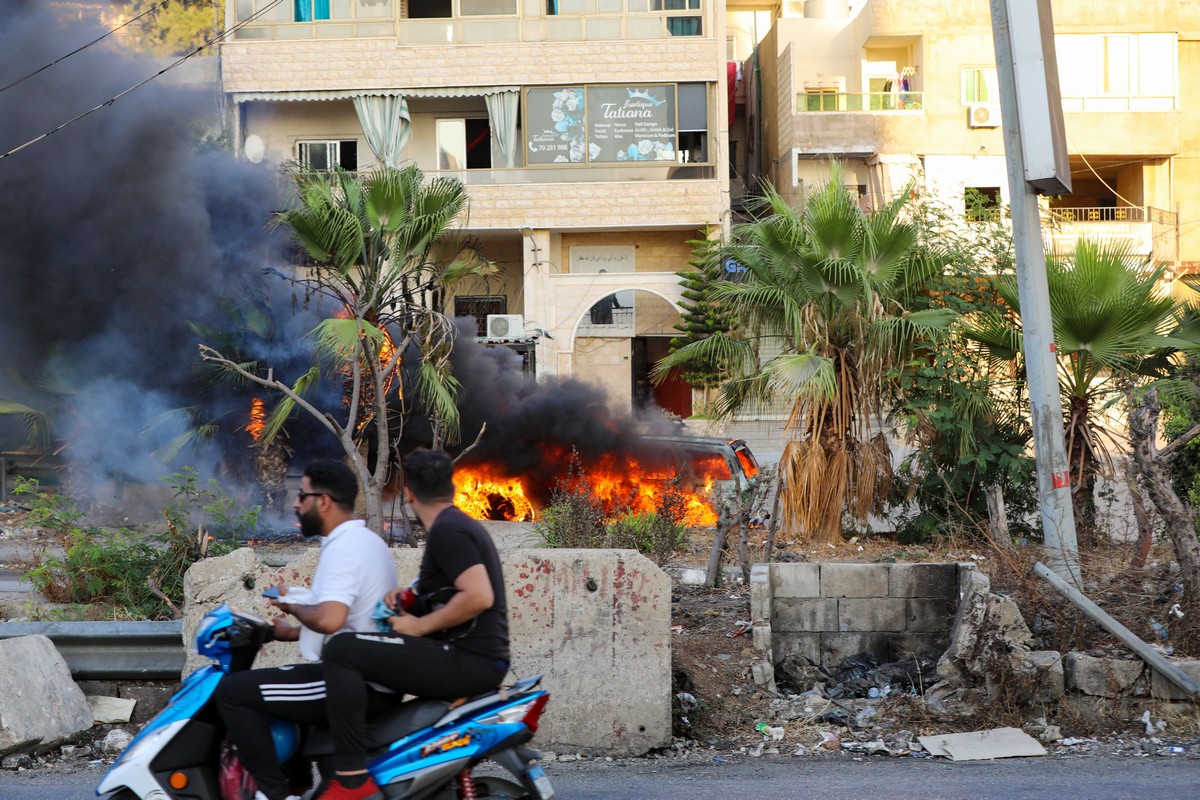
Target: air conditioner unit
(983, 115)
(505, 326)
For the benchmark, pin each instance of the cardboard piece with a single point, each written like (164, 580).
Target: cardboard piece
(983, 745)
(111, 709)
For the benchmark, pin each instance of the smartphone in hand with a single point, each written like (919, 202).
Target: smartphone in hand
(271, 592)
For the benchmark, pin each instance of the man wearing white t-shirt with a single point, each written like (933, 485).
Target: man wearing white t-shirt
(355, 570)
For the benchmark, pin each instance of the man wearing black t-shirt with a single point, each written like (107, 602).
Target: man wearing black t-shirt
(452, 642)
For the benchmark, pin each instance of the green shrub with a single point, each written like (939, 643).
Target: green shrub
(577, 518)
(124, 573)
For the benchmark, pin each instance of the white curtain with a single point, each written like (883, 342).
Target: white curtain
(502, 109)
(386, 124)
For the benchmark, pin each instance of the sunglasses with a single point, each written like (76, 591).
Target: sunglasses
(303, 495)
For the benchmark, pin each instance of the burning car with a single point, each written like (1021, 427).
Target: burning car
(626, 475)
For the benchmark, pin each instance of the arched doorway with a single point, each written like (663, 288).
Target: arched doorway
(618, 340)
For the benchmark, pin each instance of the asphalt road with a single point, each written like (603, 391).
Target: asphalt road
(781, 778)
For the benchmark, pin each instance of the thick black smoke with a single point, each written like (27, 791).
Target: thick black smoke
(533, 425)
(117, 233)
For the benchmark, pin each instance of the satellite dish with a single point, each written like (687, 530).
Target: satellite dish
(254, 148)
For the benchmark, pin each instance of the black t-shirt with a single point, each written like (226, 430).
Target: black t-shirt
(455, 544)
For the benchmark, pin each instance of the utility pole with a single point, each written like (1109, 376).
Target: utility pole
(1035, 151)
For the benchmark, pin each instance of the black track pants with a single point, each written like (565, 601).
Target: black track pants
(406, 664)
(294, 693)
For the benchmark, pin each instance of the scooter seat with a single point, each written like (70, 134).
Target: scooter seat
(383, 728)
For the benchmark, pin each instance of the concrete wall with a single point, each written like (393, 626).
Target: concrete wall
(596, 623)
(826, 612)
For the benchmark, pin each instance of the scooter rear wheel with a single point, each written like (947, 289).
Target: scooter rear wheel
(491, 788)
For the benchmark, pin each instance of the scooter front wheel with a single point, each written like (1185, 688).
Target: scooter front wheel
(491, 788)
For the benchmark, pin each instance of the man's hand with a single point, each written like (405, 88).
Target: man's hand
(285, 631)
(407, 624)
(474, 596)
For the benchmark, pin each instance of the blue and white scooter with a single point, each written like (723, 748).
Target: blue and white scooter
(420, 749)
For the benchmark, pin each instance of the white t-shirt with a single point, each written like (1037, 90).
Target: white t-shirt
(355, 569)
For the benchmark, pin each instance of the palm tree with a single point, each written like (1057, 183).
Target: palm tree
(831, 304)
(380, 246)
(1114, 327)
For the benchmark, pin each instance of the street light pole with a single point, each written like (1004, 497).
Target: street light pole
(1045, 402)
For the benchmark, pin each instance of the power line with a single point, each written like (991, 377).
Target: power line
(150, 10)
(140, 84)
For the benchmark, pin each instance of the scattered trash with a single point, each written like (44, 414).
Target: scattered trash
(1051, 733)
(863, 718)
(1152, 728)
(829, 741)
(1071, 741)
(1173, 750)
(983, 745)
(763, 728)
(1176, 611)
(742, 627)
(676, 629)
(686, 700)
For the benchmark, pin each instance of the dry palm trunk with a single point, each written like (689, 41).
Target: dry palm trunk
(1178, 516)
(997, 516)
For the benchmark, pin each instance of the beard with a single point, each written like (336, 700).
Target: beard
(310, 523)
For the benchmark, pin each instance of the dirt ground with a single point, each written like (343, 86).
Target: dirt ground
(718, 705)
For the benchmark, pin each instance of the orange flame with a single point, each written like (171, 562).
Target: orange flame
(619, 484)
(485, 495)
(258, 418)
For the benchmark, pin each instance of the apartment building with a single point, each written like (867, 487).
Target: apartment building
(904, 93)
(591, 136)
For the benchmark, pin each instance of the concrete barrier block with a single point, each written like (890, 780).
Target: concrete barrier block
(835, 647)
(595, 623)
(41, 706)
(864, 615)
(802, 644)
(804, 614)
(1103, 677)
(923, 580)
(1161, 687)
(796, 580)
(928, 614)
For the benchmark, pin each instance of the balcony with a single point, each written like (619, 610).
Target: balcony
(1149, 232)
(438, 22)
(860, 101)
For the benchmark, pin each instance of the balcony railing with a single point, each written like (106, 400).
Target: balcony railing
(860, 101)
(1102, 213)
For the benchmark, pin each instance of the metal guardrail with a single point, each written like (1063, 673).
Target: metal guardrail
(111, 650)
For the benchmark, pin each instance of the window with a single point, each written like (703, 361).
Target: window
(693, 123)
(979, 85)
(464, 144)
(981, 203)
(683, 26)
(309, 10)
(328, 155)
(430, 9)
(479, 306)
(821, 98)
(494, 8)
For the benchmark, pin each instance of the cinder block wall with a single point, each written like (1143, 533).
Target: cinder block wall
(826, 612)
